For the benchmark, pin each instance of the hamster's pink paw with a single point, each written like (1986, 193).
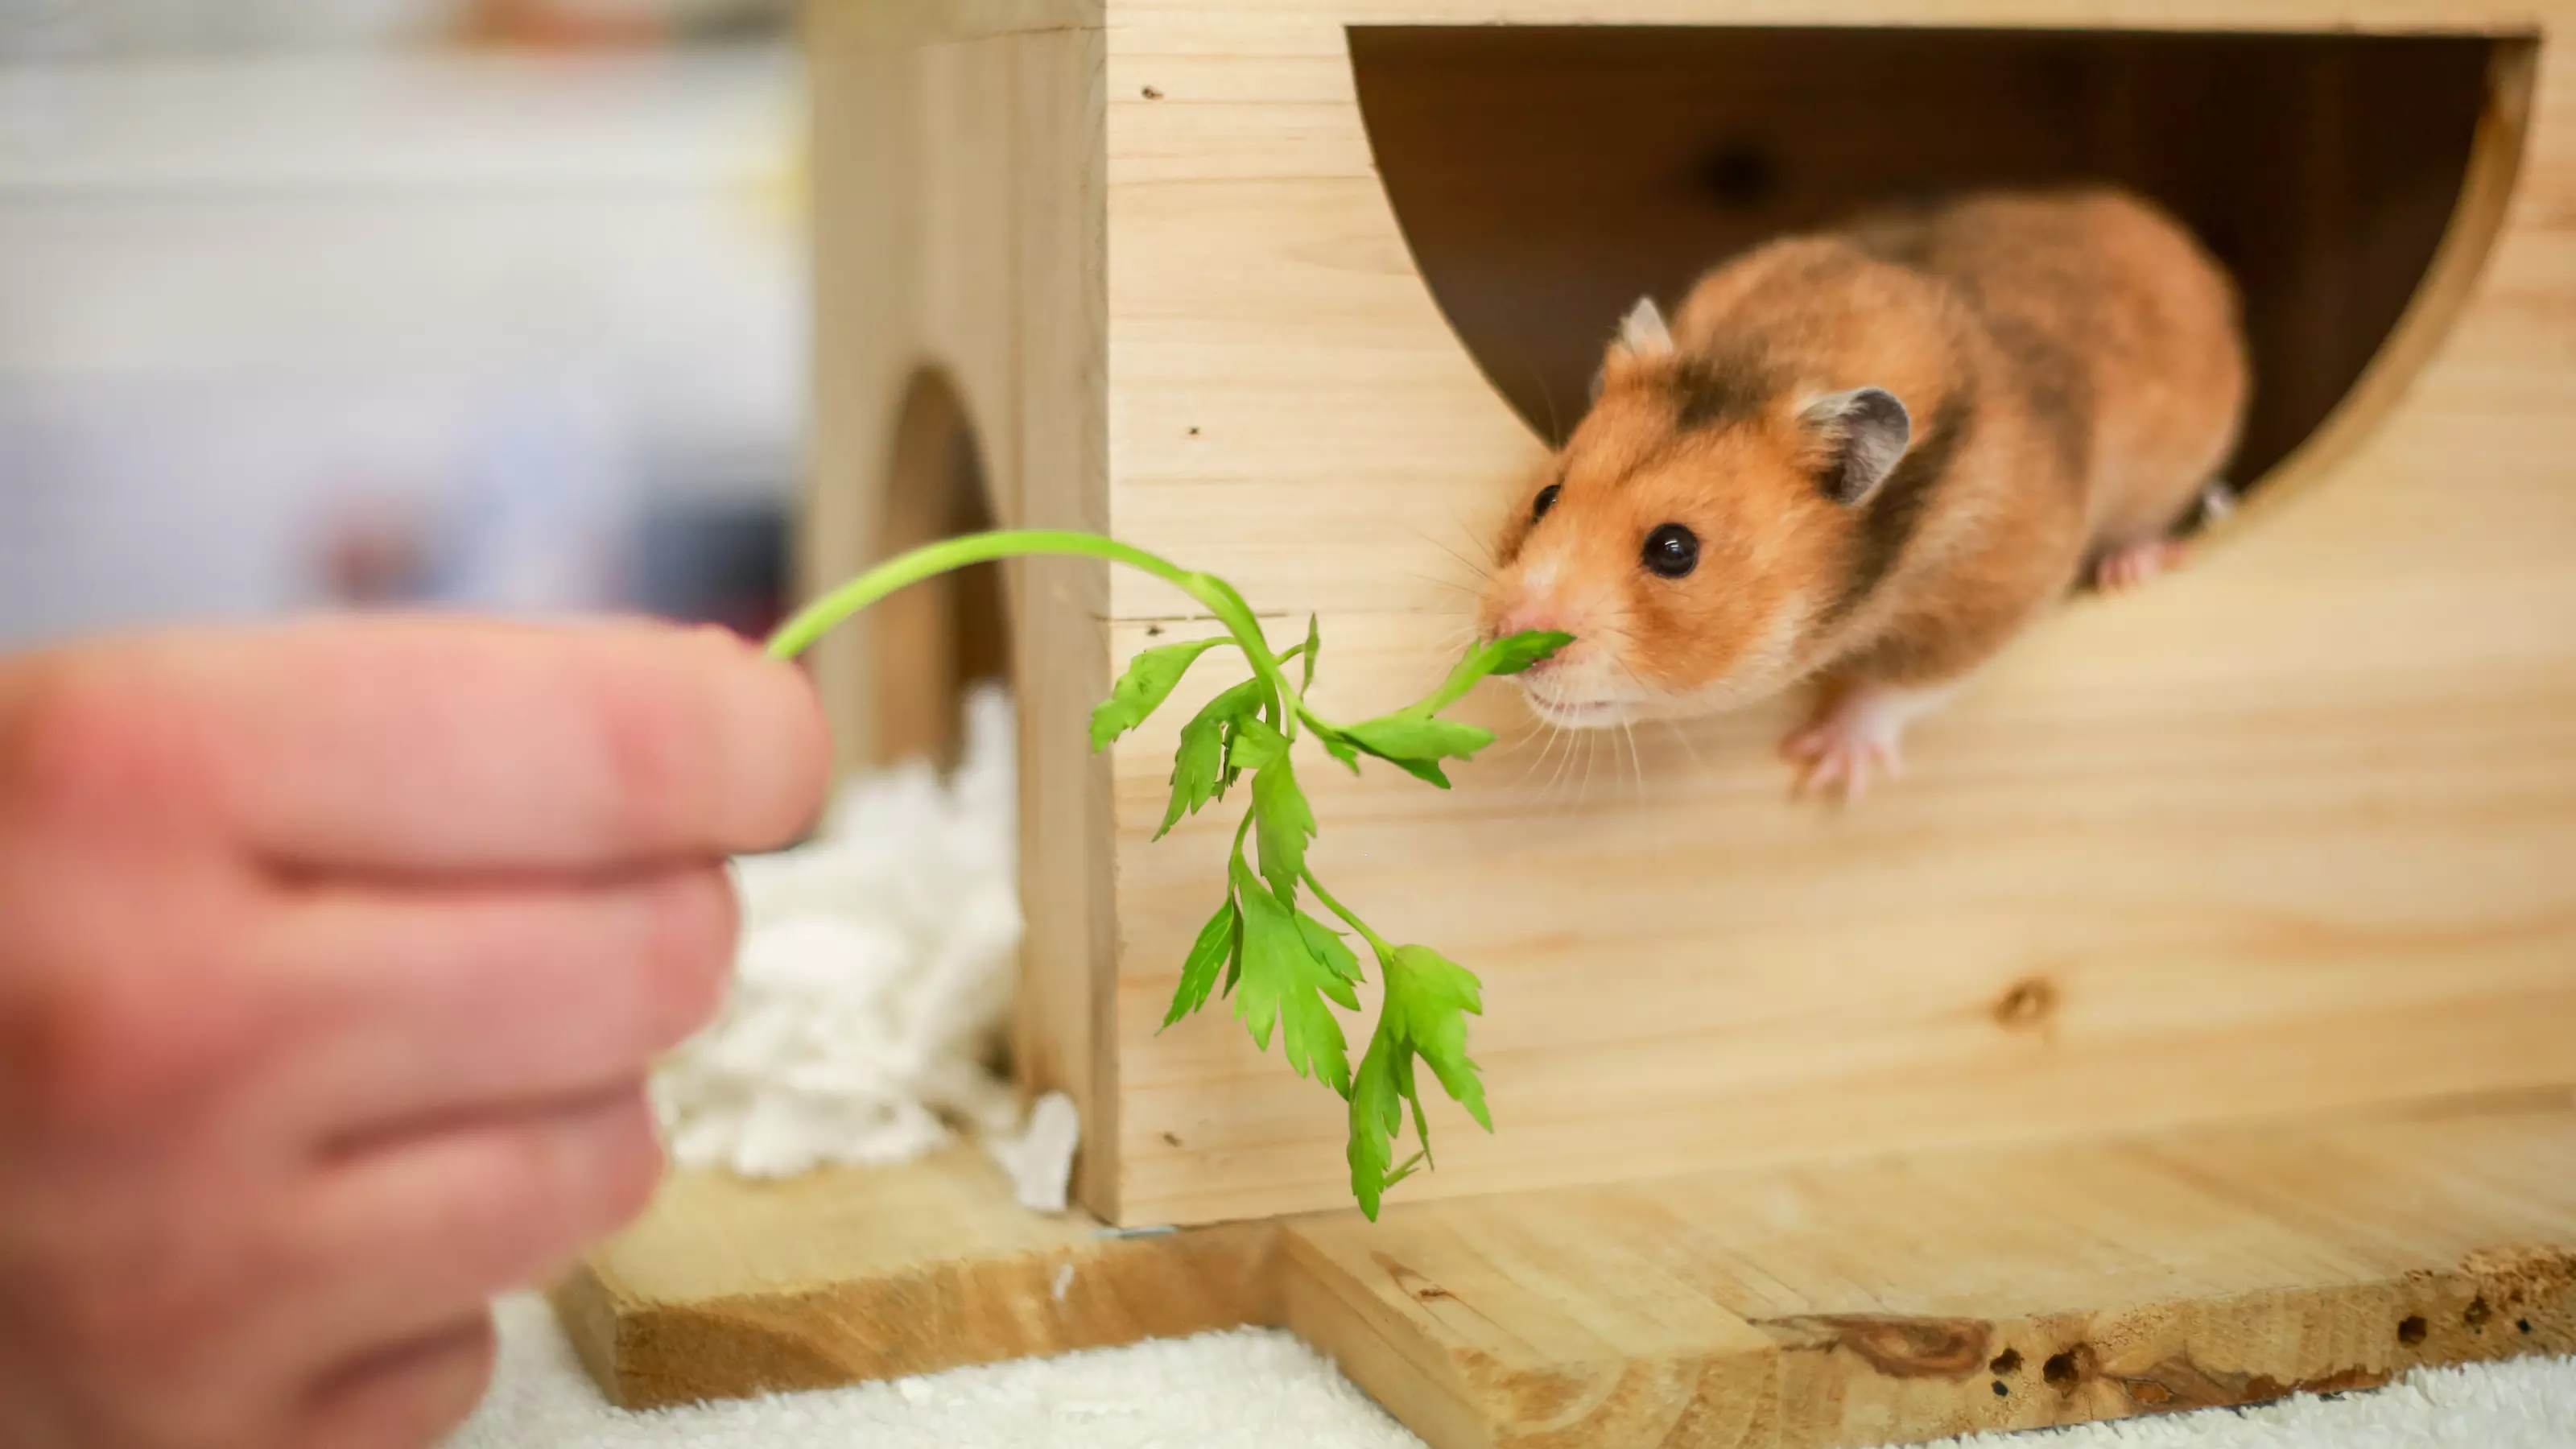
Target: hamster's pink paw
(2127, 568)
(1851, 738)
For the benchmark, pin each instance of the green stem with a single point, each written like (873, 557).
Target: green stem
(1384, 950)
(932, 560)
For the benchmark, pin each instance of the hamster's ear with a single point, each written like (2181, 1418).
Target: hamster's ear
(1642, 337)
(1643, 332)
(1859, 436)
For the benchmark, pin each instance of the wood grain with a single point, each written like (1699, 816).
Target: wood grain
(962, 304)
(2283, 834)
(1796, 1308)
(2235, 843)
(729, 1289)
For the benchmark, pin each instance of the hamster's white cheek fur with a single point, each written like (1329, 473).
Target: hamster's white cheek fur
(1578, 713)
(1600, 688)
(1591, 686)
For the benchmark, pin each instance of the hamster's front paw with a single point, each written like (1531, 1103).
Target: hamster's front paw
(1855, 735)
(2127, 568)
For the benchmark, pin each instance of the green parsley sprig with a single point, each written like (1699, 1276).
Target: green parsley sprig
(1284, 968)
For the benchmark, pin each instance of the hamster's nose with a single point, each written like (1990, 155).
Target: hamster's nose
(1529, 617)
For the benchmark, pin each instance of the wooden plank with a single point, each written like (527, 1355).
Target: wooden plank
(896, 25)
(727, 1288)
(1062, 670)
(1799, 1308)
(962, 297)
(1911, 1300)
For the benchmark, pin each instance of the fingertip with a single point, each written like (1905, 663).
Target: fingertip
(696, 925)
(790, 764)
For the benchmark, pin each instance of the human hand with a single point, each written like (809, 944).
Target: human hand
(332, 961)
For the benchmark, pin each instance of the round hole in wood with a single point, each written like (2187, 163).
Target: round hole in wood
(936, 641)
(1546, 177)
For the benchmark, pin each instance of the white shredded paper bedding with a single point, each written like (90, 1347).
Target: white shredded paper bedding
(874, 982)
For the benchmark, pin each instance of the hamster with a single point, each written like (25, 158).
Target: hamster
(1867, 459)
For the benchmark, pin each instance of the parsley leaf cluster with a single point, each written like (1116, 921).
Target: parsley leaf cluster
(1284, 967)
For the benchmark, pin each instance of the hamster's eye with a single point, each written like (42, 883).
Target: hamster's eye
(1672, 551)
(1546, 501)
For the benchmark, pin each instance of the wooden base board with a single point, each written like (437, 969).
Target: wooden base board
(1861, 1304)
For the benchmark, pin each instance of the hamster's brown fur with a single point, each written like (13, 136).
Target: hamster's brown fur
(2072, 377)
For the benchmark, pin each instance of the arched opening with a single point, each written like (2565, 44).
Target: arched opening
(935, 641)
(1547, 177)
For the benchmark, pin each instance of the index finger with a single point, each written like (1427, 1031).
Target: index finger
(413, 746)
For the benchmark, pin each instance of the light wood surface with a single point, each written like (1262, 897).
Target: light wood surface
(1915, 1300)
(962, 292)
(2284, 833)
(1844, 1305)
(729, 1288)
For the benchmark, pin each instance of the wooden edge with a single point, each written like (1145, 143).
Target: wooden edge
(929, 1318)
(1918, 1378)
(905, 24)
(2189, 1271)
(2487, 191)
(588, 1313)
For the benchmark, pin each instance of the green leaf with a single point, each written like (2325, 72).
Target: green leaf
(1218, 942)
(1285, 984)
(1254, 745)
(1198, 768)
(1503, 656)
(1339, 748)
(1377, 1114)
(1417, 743)
(1428, 1001)
(1314, 647)
(1283, 822)
(1407, 737)
(1150, 679)
(1417, 1160)
(1327, 947)
(1520, 651)
(1435, 999)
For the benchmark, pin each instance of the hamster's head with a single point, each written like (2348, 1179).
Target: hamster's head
(1694, 532)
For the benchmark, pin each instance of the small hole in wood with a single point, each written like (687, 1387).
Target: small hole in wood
(2007, 1362)
(2028, 1004)
(2477, 1313)
(1153, 631)
(1170, 1140)
(2411, 1330)
(2059, 1370)
(1194, 432)
(2000, 1390)
(1152, 94)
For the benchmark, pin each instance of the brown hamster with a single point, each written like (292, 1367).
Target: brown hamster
(1868, 459)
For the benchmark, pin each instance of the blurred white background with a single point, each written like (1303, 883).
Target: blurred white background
(476, 303)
